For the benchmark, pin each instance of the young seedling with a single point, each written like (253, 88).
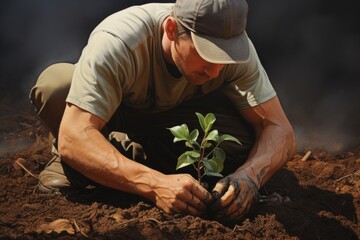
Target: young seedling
(206, 156)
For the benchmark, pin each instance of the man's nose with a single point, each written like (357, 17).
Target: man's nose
(213, 70)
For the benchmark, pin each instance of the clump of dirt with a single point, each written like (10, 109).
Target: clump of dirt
(316, 198)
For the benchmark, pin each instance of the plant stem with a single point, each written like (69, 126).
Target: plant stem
(212, 150)
(199, 170)
(202, 153)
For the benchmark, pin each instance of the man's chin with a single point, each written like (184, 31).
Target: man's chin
(198, 82)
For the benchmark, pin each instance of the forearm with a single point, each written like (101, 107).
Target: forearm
(273, 148)
(93, 156)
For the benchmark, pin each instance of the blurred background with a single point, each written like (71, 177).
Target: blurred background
(310, 49)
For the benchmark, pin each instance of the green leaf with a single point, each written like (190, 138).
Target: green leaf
(227, 137)
(211, 139)
(192, 144)
(217, 139)
(211, 136)
(220, 154)
(193, 154)
(188, 144)
(208, 144)
(208, 166)
(180, 133)
(214, 164)
(194, 135)
(184, 160)
(209, 121)
(201, 120)
(217, 162)
(213, 174)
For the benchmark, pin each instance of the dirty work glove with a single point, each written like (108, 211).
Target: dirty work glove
(234, 196)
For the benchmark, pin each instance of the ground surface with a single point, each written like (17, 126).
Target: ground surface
(313, 199)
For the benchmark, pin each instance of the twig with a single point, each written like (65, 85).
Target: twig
(343, 177)
(306, 156)
(26, 170)
(129, 221)
(155, 220)
(77, 228)
(349, 175)
(237, 227)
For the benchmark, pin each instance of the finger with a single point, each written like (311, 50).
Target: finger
(201, 193)
(227, 198)
(242, 210)
(241, 205)
(205, 185)
(193, 211)
(190, 199)
(220, 188)
(237, 215)
(238, 209)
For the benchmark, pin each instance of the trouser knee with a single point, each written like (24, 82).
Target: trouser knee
(49, 94)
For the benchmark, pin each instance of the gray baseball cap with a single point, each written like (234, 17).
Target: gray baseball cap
(217, 28)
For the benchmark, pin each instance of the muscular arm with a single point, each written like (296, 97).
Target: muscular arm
(274, 146)
(82, 146)
(275, 141)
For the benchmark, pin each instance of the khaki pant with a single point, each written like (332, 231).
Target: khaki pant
(148, 129)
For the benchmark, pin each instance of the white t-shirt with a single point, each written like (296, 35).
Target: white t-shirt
(123, 64)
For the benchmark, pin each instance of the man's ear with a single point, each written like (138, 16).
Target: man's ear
(170, 28)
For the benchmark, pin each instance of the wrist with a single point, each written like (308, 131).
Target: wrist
(145, 184)
(253, 175)
(159, 182)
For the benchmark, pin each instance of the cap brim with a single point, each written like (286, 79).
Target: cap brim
(222, 51)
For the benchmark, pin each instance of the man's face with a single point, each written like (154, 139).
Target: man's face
(194, 68)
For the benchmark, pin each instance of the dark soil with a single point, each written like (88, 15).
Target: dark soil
(314, 199)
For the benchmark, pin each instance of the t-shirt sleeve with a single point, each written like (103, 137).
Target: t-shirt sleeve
(97, 84)
(248, 85)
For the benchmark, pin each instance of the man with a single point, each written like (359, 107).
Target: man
(151, 67)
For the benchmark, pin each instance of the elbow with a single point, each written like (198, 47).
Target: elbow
(64, 147)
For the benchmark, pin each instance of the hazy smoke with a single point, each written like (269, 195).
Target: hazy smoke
(37, 33)
(309, 48)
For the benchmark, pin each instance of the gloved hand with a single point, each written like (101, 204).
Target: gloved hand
(234, 195)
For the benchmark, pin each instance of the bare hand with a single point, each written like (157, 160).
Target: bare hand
(234, 195)
(181, 193)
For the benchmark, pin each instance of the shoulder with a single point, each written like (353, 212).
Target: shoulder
(135, 24)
